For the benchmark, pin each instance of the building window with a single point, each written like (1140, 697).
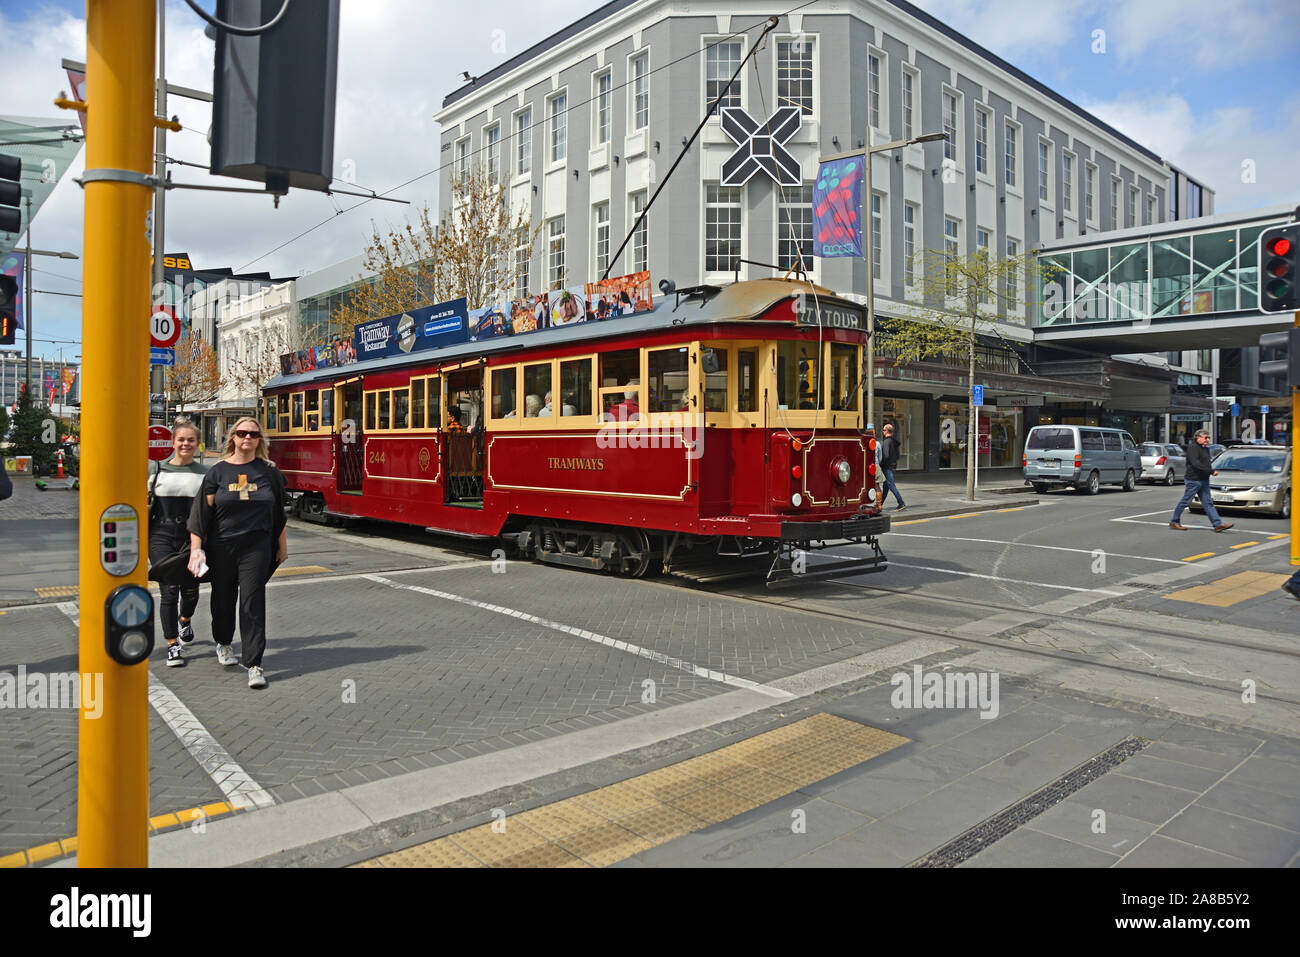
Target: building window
(794, 74)
(558, 122)
(1013, 285)
(641, 237)
(521, 270)
(877, 215)
(950, 125)
(1044, 171)
(1151, 211)
(641, 92)
(492, 136)
(1193, 201)
(524, 142)
(462, 160)
(981, 140)
(873, 89)
(1090, 192)
(721, 228)
(720, 61)
(1067, 182)
(1010, 155)
(600, 238)
(1131, 219)
(1114, 203)
(555, 252)
(603, 84)
(982, 245)
(909, 122)
(909, 244)
(951, 245)
(794, 228)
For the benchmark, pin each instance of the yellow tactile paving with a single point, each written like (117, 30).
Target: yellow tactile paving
(1231, 590)
(57, 591)
(300, 570)
(610, 824)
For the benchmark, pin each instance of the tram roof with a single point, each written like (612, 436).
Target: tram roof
(739, 301)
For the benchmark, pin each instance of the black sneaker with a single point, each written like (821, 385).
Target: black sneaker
(174, 659)
(1291, 589)
(901, 508)
(186, 631)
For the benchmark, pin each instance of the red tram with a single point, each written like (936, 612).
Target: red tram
(724, 423)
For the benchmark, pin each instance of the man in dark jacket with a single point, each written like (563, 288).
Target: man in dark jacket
(887, 459)
(1197, 483)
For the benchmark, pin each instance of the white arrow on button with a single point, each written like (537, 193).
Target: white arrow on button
(131, 609)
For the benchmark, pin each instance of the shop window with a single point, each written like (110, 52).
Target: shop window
(537, 390)
(575, 387)
(504, 402)
(417, 403)
(715, 383)
(670, 379)
(798, 384)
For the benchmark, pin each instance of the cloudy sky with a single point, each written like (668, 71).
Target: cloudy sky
(1183, 77)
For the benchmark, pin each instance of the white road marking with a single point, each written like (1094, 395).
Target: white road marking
(1055, 548)
(1198, 527)
(236, 784)
(656, 656)
(998, 578)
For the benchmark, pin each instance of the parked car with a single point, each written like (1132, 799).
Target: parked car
(1254, 477)
(1162, 462)
(1215, 448)
(1085, 457)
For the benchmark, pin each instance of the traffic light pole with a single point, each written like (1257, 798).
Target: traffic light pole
(1295, 465)
(113, 769)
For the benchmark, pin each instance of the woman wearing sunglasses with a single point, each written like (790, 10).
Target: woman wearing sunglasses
(237, 527)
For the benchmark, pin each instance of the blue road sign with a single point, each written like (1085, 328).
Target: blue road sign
(161, 357)
(1236, 409)
(1264, 409)
(979, 395)
(132, 606)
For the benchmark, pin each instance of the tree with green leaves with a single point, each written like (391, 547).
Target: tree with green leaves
(35, 433)
(961, 298)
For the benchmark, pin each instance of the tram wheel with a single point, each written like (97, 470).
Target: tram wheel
(635, 548)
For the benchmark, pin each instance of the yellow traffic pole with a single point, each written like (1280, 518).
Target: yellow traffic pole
(113, 773)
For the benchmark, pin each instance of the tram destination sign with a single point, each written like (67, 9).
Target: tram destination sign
(838, 315)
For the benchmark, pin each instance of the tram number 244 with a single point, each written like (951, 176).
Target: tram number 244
(375, 458)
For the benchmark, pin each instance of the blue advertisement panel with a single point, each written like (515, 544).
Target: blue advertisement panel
(417, 330)
(837, 197)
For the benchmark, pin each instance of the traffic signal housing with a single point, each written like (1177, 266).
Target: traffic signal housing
(11, 194)
(1279, 255)
(1289, 365)
(8, 310)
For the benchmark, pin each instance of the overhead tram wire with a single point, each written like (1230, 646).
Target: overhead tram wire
(539, 123)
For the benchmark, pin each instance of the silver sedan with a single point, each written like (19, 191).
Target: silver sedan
(1162, 463)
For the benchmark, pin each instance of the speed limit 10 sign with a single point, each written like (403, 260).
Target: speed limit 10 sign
(164, 330)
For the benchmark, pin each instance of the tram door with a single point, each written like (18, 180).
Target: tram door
(349, 440)
(463, 438)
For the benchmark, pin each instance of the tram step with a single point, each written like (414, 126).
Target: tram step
(573, 561)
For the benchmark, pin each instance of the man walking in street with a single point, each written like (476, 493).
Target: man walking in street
(1197, 483)
(887, 458)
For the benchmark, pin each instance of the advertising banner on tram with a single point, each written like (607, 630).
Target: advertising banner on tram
(589, 302)
(431, 327)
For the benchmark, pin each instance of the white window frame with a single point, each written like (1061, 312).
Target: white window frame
(596, 95)
(704, 230)
(1131, 210)
(878, 236)
(492, 149)
(461, 152)
(952, 147)
(881, 122)
(1045, 178)
(1152, 210)
(641, 237)
(560, 95)
(909, 242)
(1011, 155)
(555, 265)
(986, 246)
(519, 132)
(1115, 208)
(1069, 166)
(812, 113)
(522, 269)
(987, 115)
(909, 129)
(1092, 183)
(781, 194)
(597, 267)
(641, 56)
(707, 42)
(1013, 280)
(955, 240)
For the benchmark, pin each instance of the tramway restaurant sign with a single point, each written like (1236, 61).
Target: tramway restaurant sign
(808, 312)
(431, 327)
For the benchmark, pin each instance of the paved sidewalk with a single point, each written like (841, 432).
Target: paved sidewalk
(931, 494)
(30, 502)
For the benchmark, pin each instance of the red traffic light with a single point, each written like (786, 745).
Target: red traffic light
(1280, 246)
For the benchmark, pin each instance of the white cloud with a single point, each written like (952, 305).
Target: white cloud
(1208, 33)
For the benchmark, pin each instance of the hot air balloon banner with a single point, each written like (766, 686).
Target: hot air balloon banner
(837, 204)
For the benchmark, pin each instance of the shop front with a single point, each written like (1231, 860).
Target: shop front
(908, 416)
(1000, 431)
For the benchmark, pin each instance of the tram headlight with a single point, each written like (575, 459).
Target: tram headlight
(796, 499)
(841, 471)
(871, 494)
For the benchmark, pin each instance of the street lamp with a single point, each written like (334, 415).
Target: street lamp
(869, 250)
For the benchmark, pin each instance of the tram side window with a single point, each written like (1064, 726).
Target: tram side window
(505, 405)
(313, 410)
(269, 421)
(401, 408)
(282, 403)
(327, 408)
(385, 411)
(575, 387)
(844, 377)
(417, 403)
(669, 371)
(747, 380)
(435, 402)
(372, 403)
(797, 381)
(620, 382)
(538, 398)
(715, 383)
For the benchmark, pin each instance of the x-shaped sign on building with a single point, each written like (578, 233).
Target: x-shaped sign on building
(761, 146)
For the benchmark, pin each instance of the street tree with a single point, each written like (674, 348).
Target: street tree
(473, 252)
(961, 298)
(194, 378)
(35, 433)
(255, 361)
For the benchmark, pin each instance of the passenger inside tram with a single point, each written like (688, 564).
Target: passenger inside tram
(627, 410)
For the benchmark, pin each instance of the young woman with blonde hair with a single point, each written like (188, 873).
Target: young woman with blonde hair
(237, 527)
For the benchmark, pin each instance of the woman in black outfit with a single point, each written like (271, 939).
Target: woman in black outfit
(172, 487)
(237, 527)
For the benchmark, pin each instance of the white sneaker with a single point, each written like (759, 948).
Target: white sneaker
(226, 655)
(256, 678)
